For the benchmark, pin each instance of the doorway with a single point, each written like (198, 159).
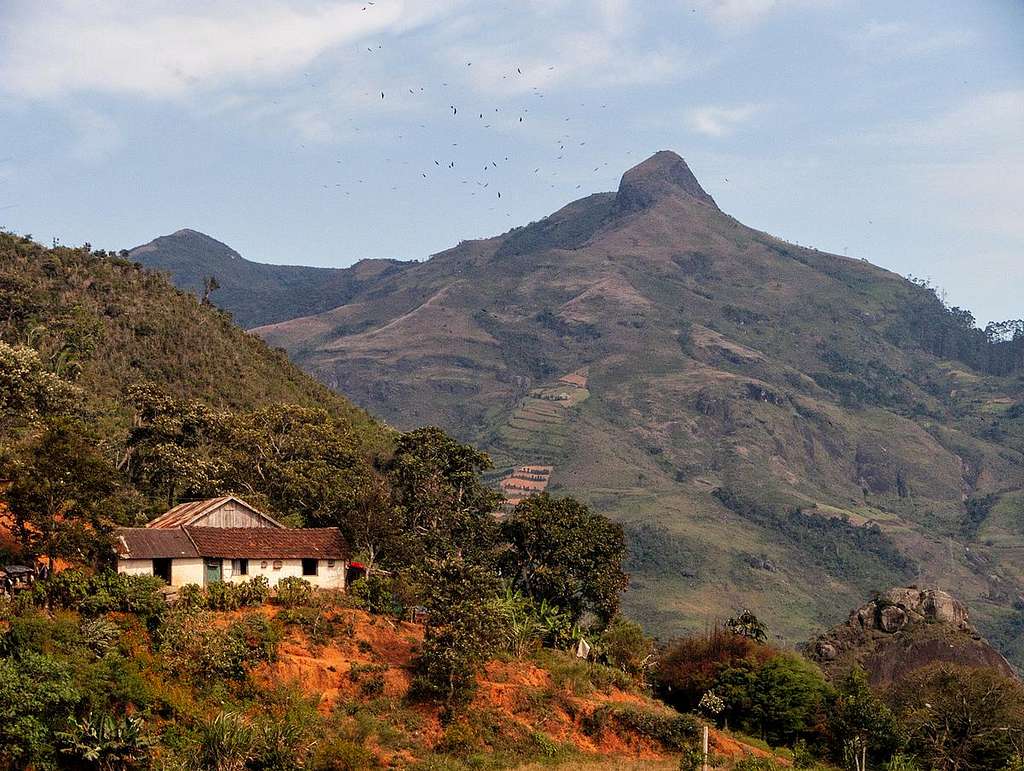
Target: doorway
(162, 569)
(213, 571)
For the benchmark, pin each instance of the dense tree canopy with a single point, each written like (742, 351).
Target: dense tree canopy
(566, 554)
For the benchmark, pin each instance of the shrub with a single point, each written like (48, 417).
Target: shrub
(112, 744)
(377, 594)
(102, 593)
(754, 763)
(195, 647)
(226, 743)
(192, 597)
(342, 755)
(221, 595)
(624, 646)
(671, 730)
(317, 625)
(294, 591)
(254, 592)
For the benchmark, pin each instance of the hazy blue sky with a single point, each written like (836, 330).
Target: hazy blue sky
(887, 130)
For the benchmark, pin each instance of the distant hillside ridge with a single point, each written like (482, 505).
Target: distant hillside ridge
(254, 293)
(107, 324)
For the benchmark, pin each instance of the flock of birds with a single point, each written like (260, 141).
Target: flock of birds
(470, 168)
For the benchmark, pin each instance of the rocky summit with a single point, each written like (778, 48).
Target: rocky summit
(903, 629)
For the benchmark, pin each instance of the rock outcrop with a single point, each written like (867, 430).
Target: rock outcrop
(903, 629)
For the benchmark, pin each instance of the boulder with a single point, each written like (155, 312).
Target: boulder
(892, 619)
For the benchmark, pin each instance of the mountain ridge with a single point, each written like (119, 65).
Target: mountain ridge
(749, 402)
(255, 293)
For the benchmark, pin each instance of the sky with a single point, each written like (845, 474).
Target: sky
(320, 133)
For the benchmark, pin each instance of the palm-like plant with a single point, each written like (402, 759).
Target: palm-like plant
(226, 743)
(107, 743)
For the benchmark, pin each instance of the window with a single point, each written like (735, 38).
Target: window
(309, 567)
(277, 564)
(240, 567)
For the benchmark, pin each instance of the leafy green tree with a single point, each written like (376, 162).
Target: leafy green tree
(961, 718)
(36, 696)
(861, 724)
(461, 634)
(781, 699)
(29, 391)
(169, 449)
(297, 460)
(442, 504)
(566, 554)
(64, 495)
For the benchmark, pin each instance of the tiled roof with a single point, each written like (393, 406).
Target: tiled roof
(143, 543)
(269, 543)
(186, 513)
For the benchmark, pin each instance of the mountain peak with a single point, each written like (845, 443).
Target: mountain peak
(661, 176)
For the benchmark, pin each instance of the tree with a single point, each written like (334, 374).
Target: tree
(28, 391)
(748, 625)
(566, 554)
(460, 633)
(781, 699)
(860, 723)
(169, 447)
(299, 461)
(210, 285)
(960, 718)
(63, 494)
(36, 697)
(442, 504)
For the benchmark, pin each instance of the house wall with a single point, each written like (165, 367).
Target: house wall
(326, 578)
(183, 571)
(193, 571)
(232, 514)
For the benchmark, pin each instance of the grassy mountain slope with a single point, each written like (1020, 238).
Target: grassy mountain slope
(254, 293)
(769, 421)
(108, 324)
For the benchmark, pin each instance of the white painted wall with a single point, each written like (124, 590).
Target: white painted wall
(326, 578)
(183, 571)
(187, 571)
(193, 571)
(135, 567)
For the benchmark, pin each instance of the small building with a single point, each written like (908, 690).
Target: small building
(226, 539)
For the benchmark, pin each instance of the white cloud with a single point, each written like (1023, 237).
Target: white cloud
(166, 49)
(560, 47)
(982, 125)
(719, 120)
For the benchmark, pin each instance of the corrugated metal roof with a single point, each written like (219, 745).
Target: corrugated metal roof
(186, 513)
(142, 543)
(269, 543)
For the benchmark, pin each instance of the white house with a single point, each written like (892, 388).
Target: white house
(226, 539)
